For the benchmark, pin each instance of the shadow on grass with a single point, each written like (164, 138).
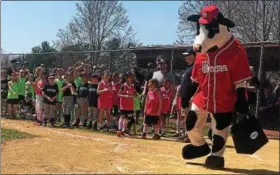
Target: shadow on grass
(238, 170)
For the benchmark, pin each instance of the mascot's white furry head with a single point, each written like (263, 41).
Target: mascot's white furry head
(212, 29)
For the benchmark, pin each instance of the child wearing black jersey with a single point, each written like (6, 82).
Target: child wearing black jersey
(93, 102)
(68, 89)
(50, 93)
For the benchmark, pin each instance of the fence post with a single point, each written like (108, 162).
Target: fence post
(172, 60)
(260, 73)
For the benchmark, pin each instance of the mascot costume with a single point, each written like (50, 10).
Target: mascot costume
(220, 72)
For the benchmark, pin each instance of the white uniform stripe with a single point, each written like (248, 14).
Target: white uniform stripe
(215, 60)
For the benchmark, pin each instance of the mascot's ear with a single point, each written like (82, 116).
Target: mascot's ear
(193, 18)
(225, 21)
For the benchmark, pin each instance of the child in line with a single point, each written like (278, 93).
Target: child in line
(82, 102)
(105, 100)
(50, 93)
(59, 81)
(166, 104)
(68, 89)
(38, 87)
(153, 107)
(12, 99)
(116, 85)
(93, 102)
(126, 94)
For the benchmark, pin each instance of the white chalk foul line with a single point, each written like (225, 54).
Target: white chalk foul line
(255, 156)
(121, 169)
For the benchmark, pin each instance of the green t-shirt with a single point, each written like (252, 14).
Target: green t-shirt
(137, 102)
(31, 90)
(15, 87)
(21, 86)
(59, 84)
(78, 81)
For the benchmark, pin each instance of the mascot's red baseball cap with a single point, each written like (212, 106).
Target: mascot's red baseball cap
(208, 13)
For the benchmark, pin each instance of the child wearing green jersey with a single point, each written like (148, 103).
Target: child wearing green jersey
(59, 82)
(29, 91)
(12, 99)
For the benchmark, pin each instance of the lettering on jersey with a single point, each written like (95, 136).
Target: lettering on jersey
(83, 88)
(218, 68)
(92, 89)
(51, 90)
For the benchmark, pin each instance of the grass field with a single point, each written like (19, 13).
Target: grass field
(11, 134)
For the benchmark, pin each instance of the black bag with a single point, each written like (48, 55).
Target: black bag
(247, 134)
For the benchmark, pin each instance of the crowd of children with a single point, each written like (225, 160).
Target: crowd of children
(89, 98)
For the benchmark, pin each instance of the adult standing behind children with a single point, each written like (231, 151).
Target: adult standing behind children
(186, 83)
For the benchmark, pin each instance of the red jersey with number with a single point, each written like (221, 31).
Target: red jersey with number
(127, 104)
(116, 87)
(152, 104)
(217, 73)
(105, 99)
(166, 100)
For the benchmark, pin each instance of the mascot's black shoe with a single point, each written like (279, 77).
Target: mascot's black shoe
(191, 152)
(215, 162)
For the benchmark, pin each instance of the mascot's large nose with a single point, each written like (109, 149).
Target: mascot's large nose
(197, 48)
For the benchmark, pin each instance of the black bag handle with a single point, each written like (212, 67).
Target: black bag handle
(237, 117)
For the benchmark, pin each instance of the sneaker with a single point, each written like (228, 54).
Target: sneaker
(144, 136)
(156, 137)
(119, 133)
(45, 122)
(37, 123)
(126, 133)
(176, 135)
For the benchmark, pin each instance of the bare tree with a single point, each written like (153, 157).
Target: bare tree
(4, 59)
(246, 15)
(95, 23)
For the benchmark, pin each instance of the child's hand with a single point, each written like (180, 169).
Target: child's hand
(105, 89)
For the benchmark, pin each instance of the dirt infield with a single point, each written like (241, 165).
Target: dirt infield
(76, 151)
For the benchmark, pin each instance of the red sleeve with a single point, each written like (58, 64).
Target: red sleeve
(194, 76)
(239, 67)
(100, 86)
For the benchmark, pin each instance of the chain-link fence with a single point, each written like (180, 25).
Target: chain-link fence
(264, 101)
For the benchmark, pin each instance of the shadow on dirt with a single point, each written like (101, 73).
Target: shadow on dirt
(238, 170)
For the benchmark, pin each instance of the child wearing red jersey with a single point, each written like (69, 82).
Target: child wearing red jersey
(153, 107)
(126, 94)
(105, 98)
(166, 104)
(116, 84)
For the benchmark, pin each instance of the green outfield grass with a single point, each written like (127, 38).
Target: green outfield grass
(11, 134)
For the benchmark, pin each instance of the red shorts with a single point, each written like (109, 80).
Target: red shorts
(105, 104)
